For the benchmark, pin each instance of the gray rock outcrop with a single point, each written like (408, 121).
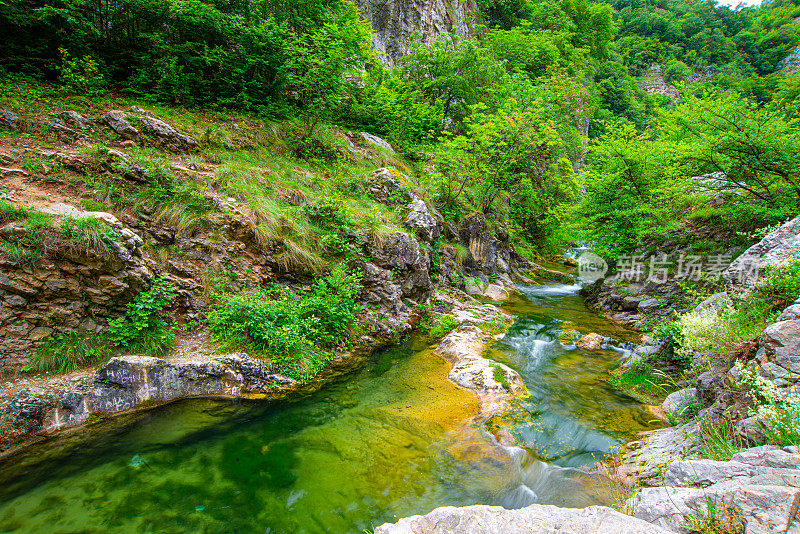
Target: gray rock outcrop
(74, 287)
(164, 134)
(394, 23)
(759, 487)
(771, 250)
(537, 518)
(385, 186)
(128, 382)
(424, 220)
(493, 383)
(115, 119)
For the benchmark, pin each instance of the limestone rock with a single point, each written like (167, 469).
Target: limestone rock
(385, 186)
(716, 302)
(590, 342)
(115, 119)
(496, 292)
(771, 250)
(402, 255)
(649, 305)
(463, 348)
(678, 401)
(537, 518)
(375, 140)
(76, 120)
(781, 346)
(759, 486)
(487, 253)
(168, 134)
(707, 386)
(70, 289)
(394, 22)
(10, 120)
(426, 221)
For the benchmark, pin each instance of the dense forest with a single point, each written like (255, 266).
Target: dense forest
(504, 111)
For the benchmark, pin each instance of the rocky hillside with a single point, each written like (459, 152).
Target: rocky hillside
(103, 208)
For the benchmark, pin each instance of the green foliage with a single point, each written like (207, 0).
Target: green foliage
(145, 325)
(642, 381)
(717, 439)
(500, 376)
(780, 284)
(780, 411)
(66, 353)
(11, 212)
(294, 330)
(81, 75)
(446, 324)
(713, 517)
(320, 63)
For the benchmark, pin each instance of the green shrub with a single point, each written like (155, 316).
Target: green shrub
(721, 333)
(780, 284)
(643, 382)
(781, 413)
(145, 326)
(446, 324)
(500, 376)
(292, 329)
(81, 75)
(66, 353)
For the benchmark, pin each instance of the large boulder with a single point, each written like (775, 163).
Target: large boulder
(426, 221)
(386, 186)
(167, 134)
(487, 253)
(590, 342)
(115, 119)
(779, 353)
(537, 518)
(774, 248)
(758, 489)
(679, 401)
(401, 254)
(73, 119)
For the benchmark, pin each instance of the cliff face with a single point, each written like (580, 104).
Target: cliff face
(394, 22)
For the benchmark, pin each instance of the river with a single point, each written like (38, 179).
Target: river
(389, 441)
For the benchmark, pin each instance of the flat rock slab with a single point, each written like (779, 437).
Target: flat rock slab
(537, 518)
(493, 383)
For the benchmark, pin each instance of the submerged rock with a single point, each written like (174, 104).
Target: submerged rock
(590, 341)
(537, 518)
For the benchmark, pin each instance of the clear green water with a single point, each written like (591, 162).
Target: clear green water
(386, 442)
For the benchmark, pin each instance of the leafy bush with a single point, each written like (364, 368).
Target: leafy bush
(292, 329)
(780, 284)
(781, 413)
(446, 324)
(145, 324)
(721, 332)
(81, 75)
